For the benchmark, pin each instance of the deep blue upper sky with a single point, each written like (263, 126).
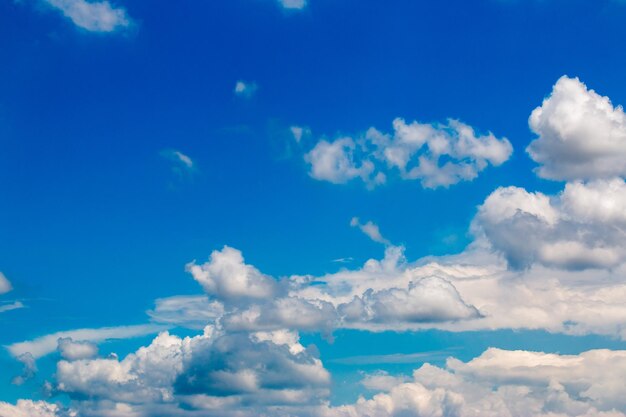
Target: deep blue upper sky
(96, 224)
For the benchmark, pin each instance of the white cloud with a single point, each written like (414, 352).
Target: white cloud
(47, 344)
(15, 305)
(194, 311)
(582, 136)
(416, 151)
(245, 89)
(5, 285)
(71, 350)
(226, 276)
(293, 4)
(502, 384)
(582, 227)
(370, 229)
(299, 133)
(97, 16)
(28, 371)
(28, 408)
(228, 370)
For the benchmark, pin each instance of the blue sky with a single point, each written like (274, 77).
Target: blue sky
(263, 207)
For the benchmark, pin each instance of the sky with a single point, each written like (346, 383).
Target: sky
(312, 208)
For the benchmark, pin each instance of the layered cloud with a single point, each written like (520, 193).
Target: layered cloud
(95, 16)
(437, 155)
(581, 135)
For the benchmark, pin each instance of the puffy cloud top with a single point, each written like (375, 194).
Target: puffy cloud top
(417, 151)
(582, 136)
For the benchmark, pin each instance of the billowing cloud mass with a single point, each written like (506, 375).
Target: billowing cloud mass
(214, 371)
(502, 383)
(437, 155)
(582, 227)
(96, 16)
(582, 136)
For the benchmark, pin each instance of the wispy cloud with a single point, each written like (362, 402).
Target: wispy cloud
(370, 229)
(293, 4)
(45, 345)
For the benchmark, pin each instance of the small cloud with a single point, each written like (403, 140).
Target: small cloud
(182, 164)
(29, 370)
(299, 132)
(245, 89)
(293, 4)
(99, 16)
(5, 285)
(371, 230)
(343, 260)
(16, 305)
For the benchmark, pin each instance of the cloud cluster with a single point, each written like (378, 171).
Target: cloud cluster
(437, 155)
(502, 383)
(97, 16)
(28, 408)
(216, 371)
(581, 135)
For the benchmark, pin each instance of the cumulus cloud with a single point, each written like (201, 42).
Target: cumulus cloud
(245, 89)
(227, 277)
(584, 226)
(71, 350)
(28, 408)
(581, 135)
(437, 155)
(232, 370)
(502, 383)
(45, 345)
(299, 133)
(96, 16)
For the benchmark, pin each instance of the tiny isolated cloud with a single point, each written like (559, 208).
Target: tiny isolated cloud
(370, 229)
(93, 16)
(245, 89)
(182, 164)
(299, 133)
(293, 4)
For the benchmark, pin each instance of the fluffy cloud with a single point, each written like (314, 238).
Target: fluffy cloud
(72, 350)
(227, 277)
(28, 408)
(28, 371)
(97, 16)
(417, 151)
(582, 136)
(503, 384)
(582, 227)
(225, 370)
